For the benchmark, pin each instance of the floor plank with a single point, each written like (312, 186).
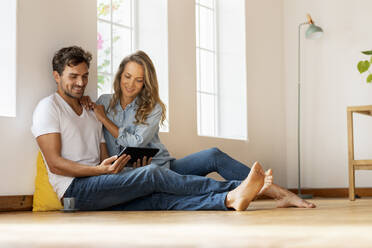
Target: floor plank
(334, 223)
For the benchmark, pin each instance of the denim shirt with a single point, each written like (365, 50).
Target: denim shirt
(130, 134)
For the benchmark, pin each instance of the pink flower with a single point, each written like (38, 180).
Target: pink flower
(99, 41)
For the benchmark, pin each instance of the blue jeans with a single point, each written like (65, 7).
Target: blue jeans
(149, 188)
(211, 160)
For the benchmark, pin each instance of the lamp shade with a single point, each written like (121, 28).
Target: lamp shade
(313, 32)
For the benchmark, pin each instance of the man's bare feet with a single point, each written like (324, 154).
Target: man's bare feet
(286, 198)
(241, 197)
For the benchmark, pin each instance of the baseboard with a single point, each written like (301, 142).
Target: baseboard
(335, 192)
(16, 203)
(24, 202)
(332, 192)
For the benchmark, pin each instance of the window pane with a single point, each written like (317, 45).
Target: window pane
(8, 54)
(208, 3)
(207, 105)
(198, 69)
(121, 12)
(104, 84)
(207, 71)
(121, 45)
(103, 9)
(103, 47)
(206, 38)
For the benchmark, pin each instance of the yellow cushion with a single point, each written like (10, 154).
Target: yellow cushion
(45, 199)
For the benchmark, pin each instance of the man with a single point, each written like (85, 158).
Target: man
(71, 141)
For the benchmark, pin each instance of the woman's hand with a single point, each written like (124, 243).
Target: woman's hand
(99, 110)
(86, 102)
(106, 167)
(144, 162)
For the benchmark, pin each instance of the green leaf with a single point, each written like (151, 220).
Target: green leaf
(370, 61)
(369, 78)
(106, 62)
(116, 38)
(363, 66)
(367, 52)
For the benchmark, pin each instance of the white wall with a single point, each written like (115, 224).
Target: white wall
(266, 116)
(44, 26)
(330, 83)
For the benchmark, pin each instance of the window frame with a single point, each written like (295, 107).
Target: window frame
(214, 51)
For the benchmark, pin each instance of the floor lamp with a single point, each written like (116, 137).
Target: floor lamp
(312, 32)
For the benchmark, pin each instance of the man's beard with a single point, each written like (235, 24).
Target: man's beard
(69, 95)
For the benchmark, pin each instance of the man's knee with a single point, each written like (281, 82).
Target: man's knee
(152, 168)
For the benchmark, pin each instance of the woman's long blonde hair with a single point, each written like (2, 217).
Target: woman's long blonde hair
(149, 95)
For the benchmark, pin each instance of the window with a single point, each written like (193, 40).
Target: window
(221, 73)
(125, 26)
(207, 96)
(8, 61)
(114, 39)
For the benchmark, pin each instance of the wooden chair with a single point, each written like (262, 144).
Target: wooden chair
(355, 164)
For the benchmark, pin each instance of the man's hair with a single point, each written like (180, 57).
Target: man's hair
(70, 56)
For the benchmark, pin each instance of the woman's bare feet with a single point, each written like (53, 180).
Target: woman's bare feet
(241, 197)
(289, 199)
(286, 198)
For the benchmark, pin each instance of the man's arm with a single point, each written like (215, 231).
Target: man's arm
(50, 145)
(104, 153)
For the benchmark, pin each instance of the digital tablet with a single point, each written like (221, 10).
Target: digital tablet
(138, 153)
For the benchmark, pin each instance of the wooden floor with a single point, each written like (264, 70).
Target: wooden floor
(335, 223)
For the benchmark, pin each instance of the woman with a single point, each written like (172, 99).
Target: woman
(131, 117)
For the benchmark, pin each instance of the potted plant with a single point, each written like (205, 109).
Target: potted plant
(364, 65)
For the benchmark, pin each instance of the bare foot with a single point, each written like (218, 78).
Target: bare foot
(267, 183)
(286, 198)
(289, 199)
(241, 197)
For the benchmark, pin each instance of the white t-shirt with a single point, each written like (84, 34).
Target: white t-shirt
(80, 135)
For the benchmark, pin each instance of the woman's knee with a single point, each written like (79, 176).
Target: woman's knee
(214, 152)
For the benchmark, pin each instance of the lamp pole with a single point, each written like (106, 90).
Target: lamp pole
(299, 113)
(312, 32)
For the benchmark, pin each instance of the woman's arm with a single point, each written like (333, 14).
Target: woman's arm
(99, 110)
(143, 133)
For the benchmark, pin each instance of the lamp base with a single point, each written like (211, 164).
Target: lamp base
(305, 196)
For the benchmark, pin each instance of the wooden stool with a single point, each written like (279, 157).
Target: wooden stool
(355, 164)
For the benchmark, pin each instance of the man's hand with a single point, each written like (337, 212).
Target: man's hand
(144, 162)
(108, 168)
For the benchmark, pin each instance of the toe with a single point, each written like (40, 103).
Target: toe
(312, 205)
(306, 204)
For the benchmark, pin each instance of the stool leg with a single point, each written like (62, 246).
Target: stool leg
(351, 182)
(350, 135)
